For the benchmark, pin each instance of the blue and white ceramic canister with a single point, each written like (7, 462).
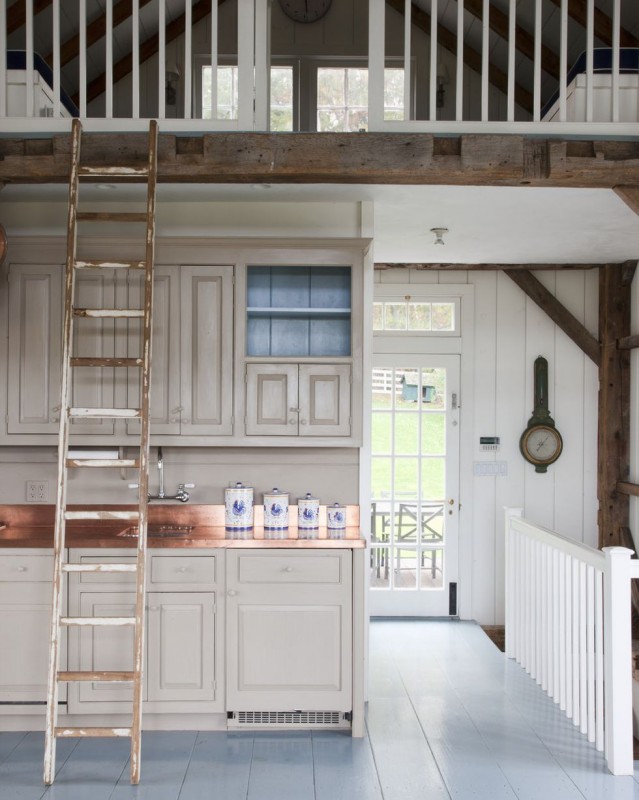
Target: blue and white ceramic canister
(336, 517)
(238, 508)
(308, 513)
(275, 510)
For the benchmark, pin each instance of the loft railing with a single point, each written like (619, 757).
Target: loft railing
(452, 66)
(568, 624)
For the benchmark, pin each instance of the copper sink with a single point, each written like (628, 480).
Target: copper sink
(158, 531)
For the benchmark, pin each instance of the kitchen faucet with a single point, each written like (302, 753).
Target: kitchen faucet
(182, 495)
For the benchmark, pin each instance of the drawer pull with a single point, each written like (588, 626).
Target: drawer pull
(288, 569)
(22, 569)
(231, 592)
(183, 569)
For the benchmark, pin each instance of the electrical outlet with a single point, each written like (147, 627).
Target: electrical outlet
(37, 491)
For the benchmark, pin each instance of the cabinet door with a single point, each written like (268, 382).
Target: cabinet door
(181, 646)
(35, 335)
(271, 400)
(25, 619)
(93, 387)
(207, 350)
(325, 399)
(165, 360)
(289, 632)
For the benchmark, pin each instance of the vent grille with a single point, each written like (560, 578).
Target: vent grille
(288, 718)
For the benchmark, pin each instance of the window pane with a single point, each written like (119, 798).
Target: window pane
(407, 389)
(331, 120)
(443, 316)
(382, 388)
(281, 98)
(406, 478)
(225, 85)
(434, 398)
(419, 316)
(431, 574)
(407, 434)
(378, 316)
(394, 90)
(380, 522)
(434, 434)
(381, 478)
(405, 568)
(433, 481)
(432, 522)
(406, 522)
(331, 87)
(357, 120)
(395, 316)
(381, 433)
(357, 94)
(380, 573)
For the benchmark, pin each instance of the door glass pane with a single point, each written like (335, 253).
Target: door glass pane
(381, 439)
(380, 570)
(433, 434)
(406, 478)
(381, 478)
(406, 516)
(407, 389)
(443, 316)
(395, 316)
(381, 522)
(382, 388)
(433, 478)
(431, 573)
(432, 522)
(419, 316)
(434, 388)
(404, 568)
(406, 434)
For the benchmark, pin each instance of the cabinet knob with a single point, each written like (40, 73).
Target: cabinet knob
(288, 569)
(22, 569)
(292, 421)
(292, 408)
(302, 422)
(183, 569)
(231, 592)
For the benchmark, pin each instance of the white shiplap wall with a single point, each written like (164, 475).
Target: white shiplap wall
(510, 332)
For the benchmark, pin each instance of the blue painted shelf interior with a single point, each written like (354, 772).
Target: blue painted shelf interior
(298, 311)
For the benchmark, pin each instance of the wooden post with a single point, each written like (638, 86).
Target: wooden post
(614, 401)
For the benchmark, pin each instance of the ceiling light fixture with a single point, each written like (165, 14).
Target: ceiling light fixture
(439, 235)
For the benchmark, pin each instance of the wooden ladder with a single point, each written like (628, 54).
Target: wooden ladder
(68, 412)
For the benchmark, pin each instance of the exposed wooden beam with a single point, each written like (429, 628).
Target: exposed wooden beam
(631, 489)
(340, 158)
(96, 30)
(16, 13)
(472, 58)
(614, 404)
(630, 196)
(486, 267)
(628, 343)
(578, 10)
(524, 42)
(560, 315)
(148, 48)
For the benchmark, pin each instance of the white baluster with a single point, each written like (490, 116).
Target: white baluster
(3, 61)
(583, 661)
(575, 642)
(485, 60)
(214, 59)
(161, 59)
(510, 100)
(537, 63)
(188, 46)
(135, 58)
(562, 631)
(56, 60)
(590, 650)
(433, 61)
(108, 113)
(28, 32)
(590, 57)
(616, 30)
(376, 51)
(408, 18)
(599, 662)
(82, 88)
(570, 620)
(245, 63)
(459, 88)
(563, 59)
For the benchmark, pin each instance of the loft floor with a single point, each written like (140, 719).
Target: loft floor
(449, 717)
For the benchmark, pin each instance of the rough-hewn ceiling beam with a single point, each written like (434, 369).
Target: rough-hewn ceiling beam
(524, 42)
(578, 10)
(472, 58)
(558, 313)
(485, 267)
(17, 12)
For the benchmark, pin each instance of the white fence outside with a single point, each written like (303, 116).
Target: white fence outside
(568, 624)
(436, 54)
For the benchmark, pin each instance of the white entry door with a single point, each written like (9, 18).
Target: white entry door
(414, 485)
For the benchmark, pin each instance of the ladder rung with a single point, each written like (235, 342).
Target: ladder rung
(105, 677)
(123, 463)
(97, 621)
(62, 733)
(111, 216)
(104, 171)
(103, 515)
(115, 413)
(110, 264)
(110, 313)
(77, 361)
(99, 567)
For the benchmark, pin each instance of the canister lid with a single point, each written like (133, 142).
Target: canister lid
(308, 496)
(240, 485)
(277, 492)
(337, 505)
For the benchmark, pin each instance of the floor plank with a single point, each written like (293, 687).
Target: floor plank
(21, 774)
(9, 740)
(344, 768)
(220, 767)
(92, 770)
(282, 767)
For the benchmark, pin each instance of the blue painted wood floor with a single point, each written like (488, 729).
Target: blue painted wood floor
(448, 717)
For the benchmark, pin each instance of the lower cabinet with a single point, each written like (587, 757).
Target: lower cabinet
(289, 630)
(181, 668)
(25, 619)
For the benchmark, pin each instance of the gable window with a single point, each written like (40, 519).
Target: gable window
(342, 97)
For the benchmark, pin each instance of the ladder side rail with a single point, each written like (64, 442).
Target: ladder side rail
(145, 405)
(63, 439)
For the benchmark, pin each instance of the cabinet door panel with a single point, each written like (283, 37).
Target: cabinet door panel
(181, 646)
(165, 361)
(35, 335)
(271, 399)
(207, 350)
(93, 387)
(325, 400)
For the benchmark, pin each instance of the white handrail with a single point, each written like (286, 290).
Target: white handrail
(568, 625)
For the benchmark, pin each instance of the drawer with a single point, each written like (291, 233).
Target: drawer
(182, 569)
(33, 569)
(290, 568)
(107, 577)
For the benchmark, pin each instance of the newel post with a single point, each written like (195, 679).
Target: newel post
(510, 590)
(618, 661)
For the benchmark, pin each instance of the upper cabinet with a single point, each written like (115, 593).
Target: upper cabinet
(252, 345)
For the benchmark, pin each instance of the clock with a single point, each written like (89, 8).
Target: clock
(541, 443)
(305, 10)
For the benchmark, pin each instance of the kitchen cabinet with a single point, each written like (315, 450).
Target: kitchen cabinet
(182, 650)
(289, 630)
(25, 619)
(298, 400)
